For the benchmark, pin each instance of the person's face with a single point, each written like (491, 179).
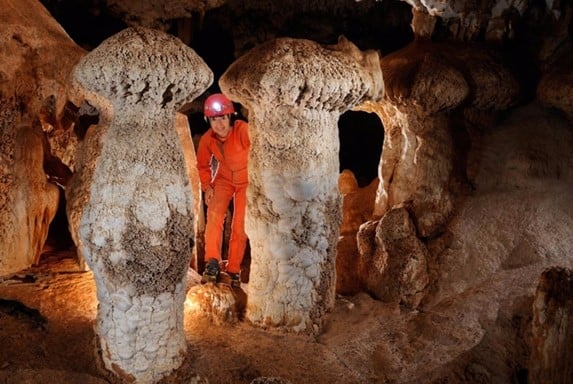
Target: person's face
(221, 125)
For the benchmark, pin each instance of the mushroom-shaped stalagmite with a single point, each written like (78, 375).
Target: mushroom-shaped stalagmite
(430, 89)
(130, 201)
(422, 88)
(295, 91)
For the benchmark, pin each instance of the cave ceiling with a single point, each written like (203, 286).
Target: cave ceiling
(235, 26)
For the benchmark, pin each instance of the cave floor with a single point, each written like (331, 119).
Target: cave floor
(47, 315)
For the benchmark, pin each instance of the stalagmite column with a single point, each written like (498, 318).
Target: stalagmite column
(424, 89)
(551, 358)
(295, 91)
(130, 199)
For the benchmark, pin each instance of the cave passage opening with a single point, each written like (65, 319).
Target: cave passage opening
(361, 137)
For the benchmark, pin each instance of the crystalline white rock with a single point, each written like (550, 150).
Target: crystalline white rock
(123, 328)
(117, 316)
(162, 342)
(145, 314)
(300, 190)
(141, 342)
(312, 271)
(132, 315)
(136, 300)
(124, 351)
(141, 363)
(282, 251)
(292, 281)
(304, 258)
(116, 256)
(147, 301)
(177, 198)
(105, 228)
(121, 300)
(285, 269)
(261, 227)
(131, 326)
(160, 316)
(283, 205)
(151, 210)
(322, 244)
(273, 186)
(165, 299)
(287, 223)
(161, 327)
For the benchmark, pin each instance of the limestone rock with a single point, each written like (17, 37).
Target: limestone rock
(29, 202)
(35, 60)
(357, 206)
(48, 376)
(419, 148)
(270, 380)
(521, 215)
(467, 20)
(155, 14)
(37, 57)
(220, 303)
(130, 202)
(556, 86)
(394, 268)
(295, 90)
(552, 330)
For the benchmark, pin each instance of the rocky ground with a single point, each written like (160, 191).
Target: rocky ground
(46, 326)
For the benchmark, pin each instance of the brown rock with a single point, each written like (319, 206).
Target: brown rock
(35, 60)
(552, 331)
(555, 88)
(395, 267)
(220, 303)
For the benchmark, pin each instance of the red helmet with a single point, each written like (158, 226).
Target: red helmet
(218, 105)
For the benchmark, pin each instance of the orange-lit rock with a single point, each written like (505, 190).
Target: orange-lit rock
(35, 61)
(218, 302)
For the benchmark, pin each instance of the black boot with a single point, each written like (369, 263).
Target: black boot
(211, 272)
(235, 279)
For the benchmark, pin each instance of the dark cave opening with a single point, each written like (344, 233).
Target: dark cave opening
(59, 237)
(214, 44)
(361, 137)
(87, 23)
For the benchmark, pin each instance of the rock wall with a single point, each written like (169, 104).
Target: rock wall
(36, 58)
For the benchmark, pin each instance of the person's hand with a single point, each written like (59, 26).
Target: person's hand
(208, 195)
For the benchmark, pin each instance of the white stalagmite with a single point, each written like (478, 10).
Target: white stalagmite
(295, 91)
(130, 201)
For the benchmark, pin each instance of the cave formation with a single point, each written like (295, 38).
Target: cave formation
(435, 181)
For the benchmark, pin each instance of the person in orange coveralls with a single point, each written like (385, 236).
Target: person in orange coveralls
(226, 143)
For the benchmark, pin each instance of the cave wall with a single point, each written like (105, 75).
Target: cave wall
(37, 56)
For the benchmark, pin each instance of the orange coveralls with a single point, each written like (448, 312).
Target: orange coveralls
(230, 181)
